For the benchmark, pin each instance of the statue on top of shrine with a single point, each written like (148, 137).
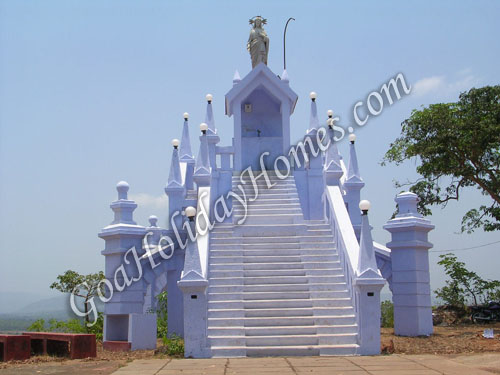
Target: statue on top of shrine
(258, 42)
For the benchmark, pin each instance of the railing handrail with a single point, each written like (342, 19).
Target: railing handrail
(347, 244)
(202, 241)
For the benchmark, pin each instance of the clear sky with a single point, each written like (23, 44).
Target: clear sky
(92, 92)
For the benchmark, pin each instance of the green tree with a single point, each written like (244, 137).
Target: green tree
(457, 146)
(84, 286)
(464, 285)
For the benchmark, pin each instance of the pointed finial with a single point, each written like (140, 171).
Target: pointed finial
(202, 167)
(313, 121)
(209, 117)
(353, 174)
(174, 176)
(367, 264)
(153, 220)
(122, 188)
(185, 150)
(236, 78)
(284, 77)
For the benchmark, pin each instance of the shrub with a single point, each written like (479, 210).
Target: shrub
(387, 314)
(162, 315)
(37, 326)
(68, 326)
(174, 346)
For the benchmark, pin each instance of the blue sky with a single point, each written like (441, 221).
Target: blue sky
(92, 92)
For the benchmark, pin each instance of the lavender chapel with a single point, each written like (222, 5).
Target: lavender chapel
(268, 249)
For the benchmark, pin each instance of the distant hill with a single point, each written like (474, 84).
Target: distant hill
(16, 317)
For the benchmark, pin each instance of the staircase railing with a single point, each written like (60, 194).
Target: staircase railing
(345, 238)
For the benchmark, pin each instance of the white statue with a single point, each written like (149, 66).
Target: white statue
(258, 42)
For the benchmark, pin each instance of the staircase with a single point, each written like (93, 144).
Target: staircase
(276, 286)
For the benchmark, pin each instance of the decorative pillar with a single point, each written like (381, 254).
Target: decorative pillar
(353, 185)
(193, 285)
(409, 246)
(124, 318)
(186, 155)
(368, 283)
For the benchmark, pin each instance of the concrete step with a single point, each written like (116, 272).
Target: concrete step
(272, 258)
(281, 321)
(252, 210)
(289, 244)
(265, 230)
(271, 312)
(215, 295)
(268, 219)
(282, 252)
(283, 330)
(280, 303)
(282, 265)
(254, 266)
(251, 273)
(268, 200)
(215, 239)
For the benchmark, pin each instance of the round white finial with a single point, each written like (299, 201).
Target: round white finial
(352, 138)
(329, 113)
(203, 127)
(209, 97)
(185, 115)
(153, 220)
(364, 205)
(122, 188)
(313, 95)
(190, 211)
(175, 142)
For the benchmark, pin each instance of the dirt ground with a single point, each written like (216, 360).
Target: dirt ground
(466, 339)
(445, 340)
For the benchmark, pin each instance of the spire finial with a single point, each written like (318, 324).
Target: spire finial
(185, 149)
(209, 117)
(174, 176)
(353, 174)
(284, 77)
(367, 264)
(236, 78)
(313, 121)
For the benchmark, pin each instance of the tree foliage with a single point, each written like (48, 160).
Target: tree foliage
(464, 286)
(457, 146)
(162, 314)
(387, 314)
(84, 286)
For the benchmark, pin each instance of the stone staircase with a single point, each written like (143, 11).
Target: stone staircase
(276, 286)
